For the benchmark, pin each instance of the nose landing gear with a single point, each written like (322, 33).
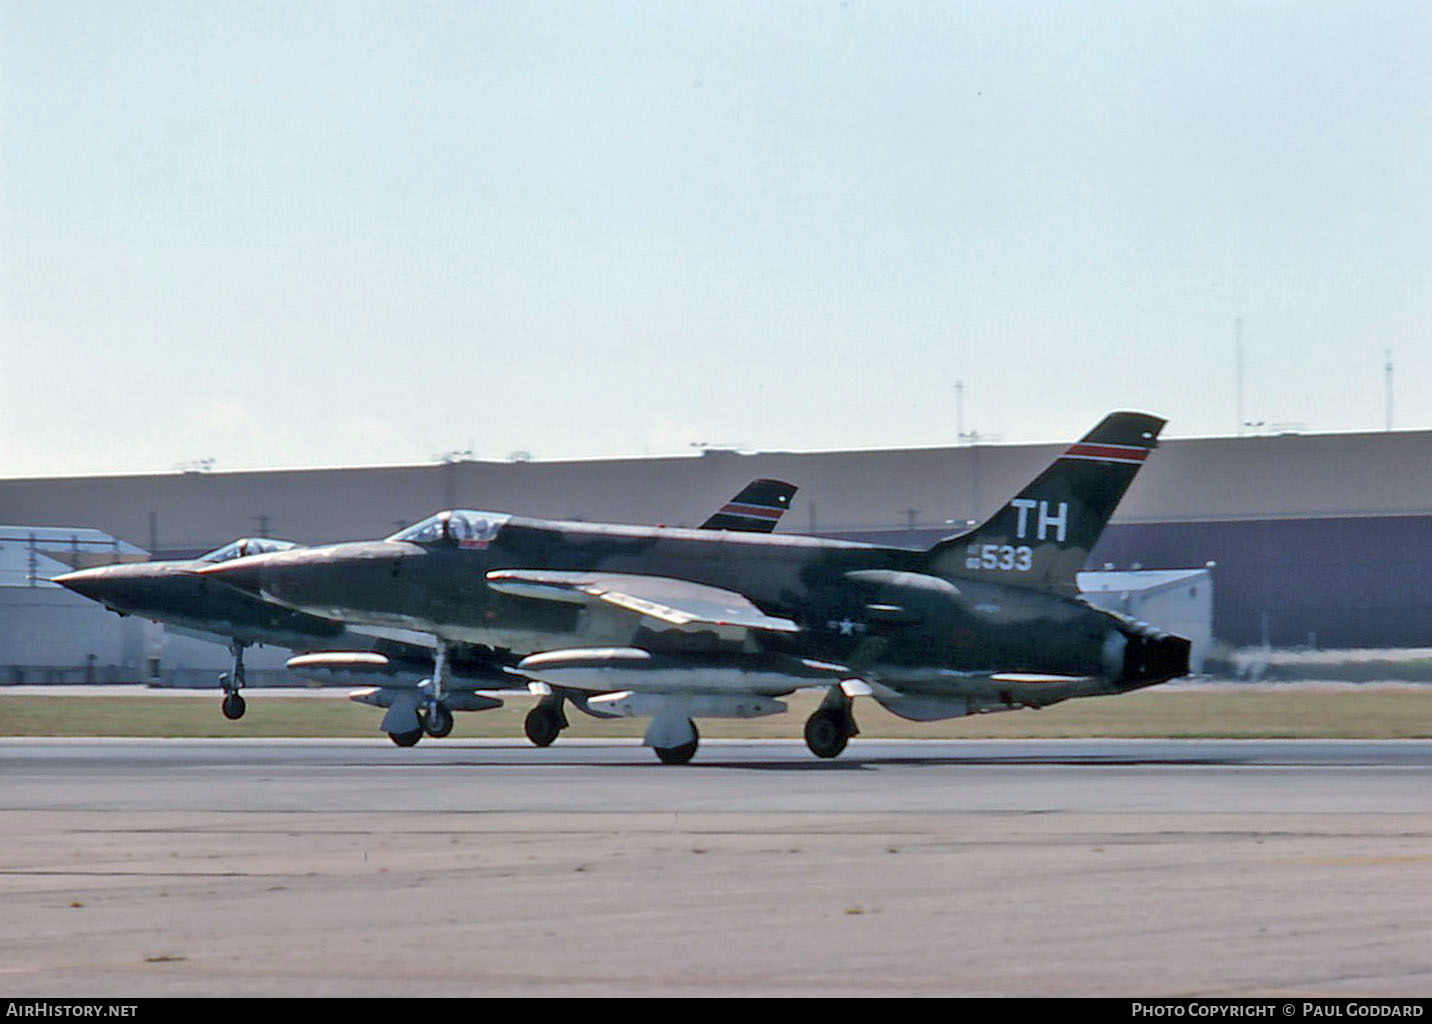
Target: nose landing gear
(233, 705)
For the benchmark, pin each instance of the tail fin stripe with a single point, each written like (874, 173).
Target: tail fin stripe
(1108, 453)
(735, 508)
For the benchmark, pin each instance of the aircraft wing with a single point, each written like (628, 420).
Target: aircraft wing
(675, 601)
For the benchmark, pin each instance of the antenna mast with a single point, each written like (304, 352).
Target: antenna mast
(1388, 370)
(1238, 336)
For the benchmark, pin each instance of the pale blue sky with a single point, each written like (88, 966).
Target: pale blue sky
(287, 234)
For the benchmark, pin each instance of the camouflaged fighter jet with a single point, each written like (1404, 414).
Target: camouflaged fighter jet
(392, 665)
(413, 712)
(166, 591)
(682, 624)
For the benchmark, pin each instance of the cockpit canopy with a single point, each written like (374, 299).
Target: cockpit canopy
(462, 527)
(245, 546)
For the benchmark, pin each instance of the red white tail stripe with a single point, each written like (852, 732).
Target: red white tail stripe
(1129, 455)
(740, 508)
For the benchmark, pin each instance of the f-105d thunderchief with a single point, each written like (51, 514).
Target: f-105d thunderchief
(677, 624)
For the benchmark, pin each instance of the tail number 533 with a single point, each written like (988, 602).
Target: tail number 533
(999, 556)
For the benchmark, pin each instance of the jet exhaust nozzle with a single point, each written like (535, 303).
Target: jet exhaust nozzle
(1152, 657)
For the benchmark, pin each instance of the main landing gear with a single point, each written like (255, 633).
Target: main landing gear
(673, 736)
(437, 723)
(832, 724)
(413, 715)
(233, 704)
(545, 722)
(434, 720)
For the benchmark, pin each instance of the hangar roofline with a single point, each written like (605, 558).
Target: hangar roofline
(704, 453)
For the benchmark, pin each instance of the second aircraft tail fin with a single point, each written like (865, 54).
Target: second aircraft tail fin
(756, 509)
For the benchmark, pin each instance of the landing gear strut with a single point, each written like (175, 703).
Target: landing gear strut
(234, 705)
(436, 719)
(829, 729)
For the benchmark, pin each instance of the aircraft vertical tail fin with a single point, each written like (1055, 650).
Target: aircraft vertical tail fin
(1041, 538)
(756, 509)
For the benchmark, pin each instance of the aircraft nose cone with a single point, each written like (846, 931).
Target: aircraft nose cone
(94, 584)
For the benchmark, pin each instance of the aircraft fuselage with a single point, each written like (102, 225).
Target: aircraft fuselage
(853, 603)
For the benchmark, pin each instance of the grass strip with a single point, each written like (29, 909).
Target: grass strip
(1290, 712)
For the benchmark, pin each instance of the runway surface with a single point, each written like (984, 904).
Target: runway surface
(351, 867)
